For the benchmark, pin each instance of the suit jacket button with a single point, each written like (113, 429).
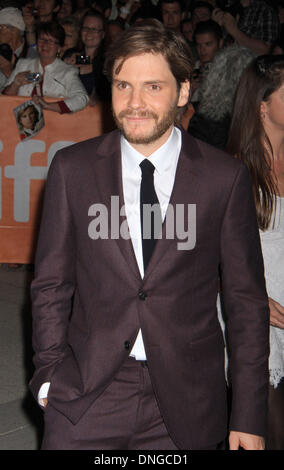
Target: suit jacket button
(142, 295)
(127, 345)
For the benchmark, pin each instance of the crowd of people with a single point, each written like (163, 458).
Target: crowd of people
(44, 35)
(237, 94)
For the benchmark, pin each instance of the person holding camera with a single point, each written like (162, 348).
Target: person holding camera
(90, 59)
(256, 26)
(12, 29)
(47, 75)
(35, 12)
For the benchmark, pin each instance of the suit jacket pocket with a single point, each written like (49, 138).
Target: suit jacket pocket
(66, 383)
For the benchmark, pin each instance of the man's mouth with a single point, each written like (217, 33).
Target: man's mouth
(137, 116)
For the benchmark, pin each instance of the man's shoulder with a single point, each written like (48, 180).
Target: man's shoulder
(93, 149)
(212, 157)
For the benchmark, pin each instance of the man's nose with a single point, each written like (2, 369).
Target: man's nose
(136, 99)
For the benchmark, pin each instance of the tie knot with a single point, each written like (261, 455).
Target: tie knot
(147, 167)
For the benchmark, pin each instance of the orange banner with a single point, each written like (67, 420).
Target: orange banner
(24, 166)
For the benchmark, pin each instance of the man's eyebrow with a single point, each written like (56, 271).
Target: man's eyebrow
(148, 82)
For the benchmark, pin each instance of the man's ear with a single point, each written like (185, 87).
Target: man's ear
(184, 93)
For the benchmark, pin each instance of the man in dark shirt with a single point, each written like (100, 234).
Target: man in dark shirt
(257, 26)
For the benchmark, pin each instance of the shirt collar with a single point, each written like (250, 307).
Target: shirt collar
(162, 158)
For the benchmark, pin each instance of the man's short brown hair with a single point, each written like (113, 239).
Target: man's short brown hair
(150, 36)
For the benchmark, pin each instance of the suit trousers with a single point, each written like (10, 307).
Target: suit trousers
(125, 416)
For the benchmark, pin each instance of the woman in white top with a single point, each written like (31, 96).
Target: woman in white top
(257, 137)
(59, 80)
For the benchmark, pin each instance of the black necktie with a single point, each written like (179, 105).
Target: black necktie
(151, 220)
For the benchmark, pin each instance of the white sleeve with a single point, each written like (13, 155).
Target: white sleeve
(16, 70)
(77, 96)
(43, 392)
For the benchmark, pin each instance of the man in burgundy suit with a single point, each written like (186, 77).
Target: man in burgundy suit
(129, 352)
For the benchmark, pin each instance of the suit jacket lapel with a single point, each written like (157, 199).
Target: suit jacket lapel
(108, 177)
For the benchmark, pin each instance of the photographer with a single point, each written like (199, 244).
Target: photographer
(90, 60)
(12, 29)
(255, 27)
(56, 79)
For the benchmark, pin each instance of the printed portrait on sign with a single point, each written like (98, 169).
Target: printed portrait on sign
(29, 119)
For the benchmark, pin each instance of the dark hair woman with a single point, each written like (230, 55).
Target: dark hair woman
(257, 138)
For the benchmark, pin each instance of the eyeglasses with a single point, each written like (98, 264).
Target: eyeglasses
(85, 29)
(50, 42)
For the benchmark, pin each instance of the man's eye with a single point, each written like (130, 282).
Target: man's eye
(122, 85)
(155, 87)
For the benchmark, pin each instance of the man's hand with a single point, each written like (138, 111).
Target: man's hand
(276, 313)
(218, 16)
(246, 441)
(28, 16)
(226, 20)
(230, 24)
(44, 402)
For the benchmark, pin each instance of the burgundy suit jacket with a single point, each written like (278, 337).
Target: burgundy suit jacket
(88, 309)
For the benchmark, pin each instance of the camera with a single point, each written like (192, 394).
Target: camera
(6, 51)
(34, 77)
(83, 59)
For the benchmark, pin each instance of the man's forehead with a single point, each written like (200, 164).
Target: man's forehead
(175, 6)
(205, 37)
(139, 59)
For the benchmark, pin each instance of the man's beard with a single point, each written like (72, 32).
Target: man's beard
(159, 129)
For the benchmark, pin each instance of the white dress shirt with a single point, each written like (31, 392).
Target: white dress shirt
(165, 160)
